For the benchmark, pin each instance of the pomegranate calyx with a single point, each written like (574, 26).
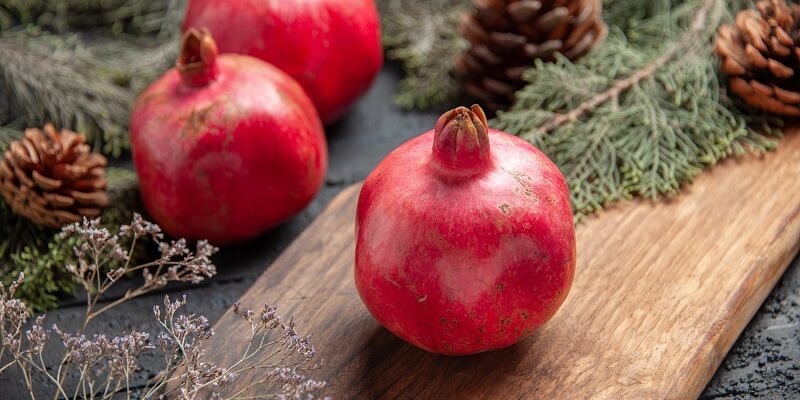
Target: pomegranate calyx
(197, 62)
(461, 143)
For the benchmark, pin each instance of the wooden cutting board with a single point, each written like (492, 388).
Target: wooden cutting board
(662, 290)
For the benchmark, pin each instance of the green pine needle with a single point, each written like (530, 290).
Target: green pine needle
(654, 136)
(422, 36)
(119, 16)
(70, 92)
(86, 83)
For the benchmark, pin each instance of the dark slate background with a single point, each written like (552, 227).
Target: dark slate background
(764, 363)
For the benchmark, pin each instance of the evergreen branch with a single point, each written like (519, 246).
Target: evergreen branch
(62, 89)
(85, 87)
(423, 37)
(651, 114)
(622, 85)
(120, 16)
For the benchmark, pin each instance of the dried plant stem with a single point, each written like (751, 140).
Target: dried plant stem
(686, 40)
(106, 367)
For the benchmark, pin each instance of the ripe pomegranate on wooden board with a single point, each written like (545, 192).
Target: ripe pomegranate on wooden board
(464, 238)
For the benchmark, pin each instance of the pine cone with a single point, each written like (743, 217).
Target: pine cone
(52, 178)
(760, 56)
(507, 36)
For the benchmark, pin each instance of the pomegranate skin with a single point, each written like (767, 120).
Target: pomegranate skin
(458, 266)
(226, 157)
(331, 47)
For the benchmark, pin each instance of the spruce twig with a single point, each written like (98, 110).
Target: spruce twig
(641, 115)
(120, 16)
(622, 85)
(423, 37)
(60, 88)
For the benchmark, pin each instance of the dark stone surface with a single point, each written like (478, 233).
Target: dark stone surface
(764, 363)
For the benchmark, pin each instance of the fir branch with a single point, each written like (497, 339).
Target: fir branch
(622, 85)
(120, 16)
(80, 85)
(86, 83)
(43, 267)
(63, 89)
(423, 37)
(641, 115)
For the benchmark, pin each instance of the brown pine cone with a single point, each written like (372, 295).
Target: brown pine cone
(52, 178)
(507, 36)
(760, 56)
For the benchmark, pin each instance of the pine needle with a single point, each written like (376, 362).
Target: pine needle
(120, 16)
(641, 115)
(87, 83)
(65, 90)
(422, 36)
(7, 135)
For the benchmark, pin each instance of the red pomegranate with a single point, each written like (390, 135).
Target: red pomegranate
(225, 146)
(468, 247)
(332, 47)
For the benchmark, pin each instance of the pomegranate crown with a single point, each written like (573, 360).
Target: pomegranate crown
(197, 62)
(461, 143)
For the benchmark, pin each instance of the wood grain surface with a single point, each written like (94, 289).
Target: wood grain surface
(661, 292)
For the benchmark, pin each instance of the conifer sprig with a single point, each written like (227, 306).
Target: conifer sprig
(422, 36)
(640, 116)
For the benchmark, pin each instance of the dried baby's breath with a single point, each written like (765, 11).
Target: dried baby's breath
(106, 365)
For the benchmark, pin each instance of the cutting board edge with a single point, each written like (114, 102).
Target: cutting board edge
(750, 304)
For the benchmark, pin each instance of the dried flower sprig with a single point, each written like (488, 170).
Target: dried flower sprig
(106, 366)
(98, 248)
(274, 349)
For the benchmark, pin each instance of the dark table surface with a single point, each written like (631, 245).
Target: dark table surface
(764, 362)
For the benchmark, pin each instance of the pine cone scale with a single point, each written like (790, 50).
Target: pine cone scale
(578, 49)
(99, 199)
(58, 200)
(486, 56)
(524, 11)
(20, 174)
(90, 184)
(44, 182)
(6, 172)
(20, 155)
(543, 50)
(467, 64)
(754, 56)
(52, 178)
(90, 212)
(492, 19)
(787, 96)
(550, 20)
(507, 41)
(507, 36)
